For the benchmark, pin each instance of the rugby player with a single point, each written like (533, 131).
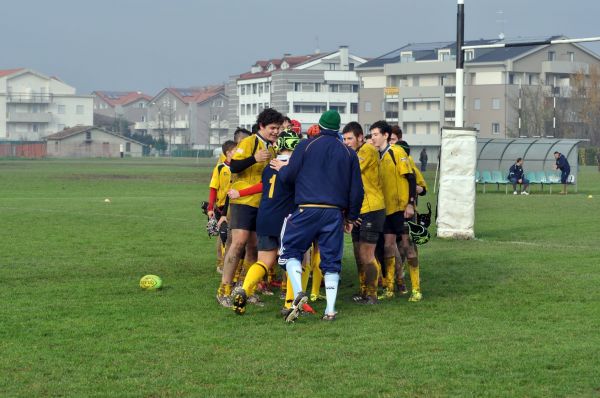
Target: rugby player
(372, 214)
(249, 160)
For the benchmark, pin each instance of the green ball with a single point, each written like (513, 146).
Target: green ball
(150, 282)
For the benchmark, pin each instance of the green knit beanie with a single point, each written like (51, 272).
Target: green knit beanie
(330, 120)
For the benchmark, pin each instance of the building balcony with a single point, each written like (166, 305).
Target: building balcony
(450, 91)
(28, 117)
(154, 125)
(421, 116)
(565, 67)
(29, 98)
(391, 115)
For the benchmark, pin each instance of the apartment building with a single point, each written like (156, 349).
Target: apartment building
(33, 105)
(414, 86)
(301, 87)
(188, 116)
(121, 105)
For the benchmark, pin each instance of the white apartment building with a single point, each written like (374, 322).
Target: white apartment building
(301, 87)
(33, 105)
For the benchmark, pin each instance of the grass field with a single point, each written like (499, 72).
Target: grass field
(515, 312)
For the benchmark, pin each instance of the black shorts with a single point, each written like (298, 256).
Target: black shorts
(370, 228)
(242, 217)
(267, 243)
(394, 223)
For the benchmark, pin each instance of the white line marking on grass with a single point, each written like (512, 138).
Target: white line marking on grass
(535, 244)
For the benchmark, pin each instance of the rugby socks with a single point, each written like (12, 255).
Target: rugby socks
(378, 265)
(305, 276)
(331, 288)
(255, 274)
(414, 273)
(238, 271)
(224, 289)
(390, 272)
(371, 274)
(289, 294)
(362, 277)
(294, 270)
(317, 278)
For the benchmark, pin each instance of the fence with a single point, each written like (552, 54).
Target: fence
(23, 149)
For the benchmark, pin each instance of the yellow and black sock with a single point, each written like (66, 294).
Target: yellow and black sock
(317, 278)
(413, 269)
(371, 273)
(255, 274)
(390, 272)
(289, 294)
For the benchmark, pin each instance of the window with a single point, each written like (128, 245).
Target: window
(368, 106)
(551, 56)
(339, 108)
(353, 107)
(35, 128)
(469, 55)
(254, 88)
(477, 126)
(242, 110)
(332, 66)
(142, 104)
(215, 118)
(307, 87)
(309, 108)
(79, 109)
(351, 66)
(495, 128)
(88, 135)
(495, 103)
(143, 118)
(218, 103)
(128, 147)
(367, 128)
(477, 104)
(571, 56)
(415, 81)
(406, 57)
(61, 109)
(243, 89)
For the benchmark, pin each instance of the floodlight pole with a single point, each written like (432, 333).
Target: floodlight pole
(460, 74)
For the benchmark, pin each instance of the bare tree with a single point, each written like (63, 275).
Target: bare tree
(586, 103)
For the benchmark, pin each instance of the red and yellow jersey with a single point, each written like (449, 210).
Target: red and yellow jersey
(221, 181)
(393, 167)
(368, 158)
(418, 175)
(253, 174)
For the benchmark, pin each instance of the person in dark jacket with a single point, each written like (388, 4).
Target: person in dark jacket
(423, 159)
(562, 164)
(516, 175)
(329, 194)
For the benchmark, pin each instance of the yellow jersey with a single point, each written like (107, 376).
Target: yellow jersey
(221, 181)
(393, 166)
(418, 176)
(222, 159)
(252, 175)
(368, 158)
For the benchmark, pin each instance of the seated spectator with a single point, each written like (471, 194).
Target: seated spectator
(517, 176)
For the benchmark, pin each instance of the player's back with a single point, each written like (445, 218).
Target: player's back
(276, 203)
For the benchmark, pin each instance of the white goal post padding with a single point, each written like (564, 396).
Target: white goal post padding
(456, 196)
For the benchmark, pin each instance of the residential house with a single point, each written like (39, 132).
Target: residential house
(113, 107)
(301, 87)
(414, 86)
(32, 105)
(188, 116)
(89, 142)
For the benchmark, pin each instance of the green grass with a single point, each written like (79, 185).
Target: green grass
(515, 312)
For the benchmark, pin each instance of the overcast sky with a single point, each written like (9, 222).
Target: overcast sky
(149, 44)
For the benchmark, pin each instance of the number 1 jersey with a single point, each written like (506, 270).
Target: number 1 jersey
(276, 204)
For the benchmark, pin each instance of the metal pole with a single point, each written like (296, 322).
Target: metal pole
(460, 41)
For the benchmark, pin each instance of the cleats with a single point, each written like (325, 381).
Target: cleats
(307, 309)
(239, 301)
(415, 296)
(316, 297)
(515, 193)
(297, 306)
(402, 288)
(387, 294)
(255, 300)
(224, 301)
(264, 289)
(329, 317)
(369, 300)
(524, 193)
(358, 297)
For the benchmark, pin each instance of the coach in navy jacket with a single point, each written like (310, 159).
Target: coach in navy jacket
(328, 189)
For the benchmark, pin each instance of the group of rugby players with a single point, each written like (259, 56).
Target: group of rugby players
(276, 195)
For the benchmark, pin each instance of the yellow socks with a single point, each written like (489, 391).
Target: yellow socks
(317, 278)
(224, 289)
(371, 274)
(289, 294)
(305, 275)
(414, 273)
(390, 272)
(255, 274)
